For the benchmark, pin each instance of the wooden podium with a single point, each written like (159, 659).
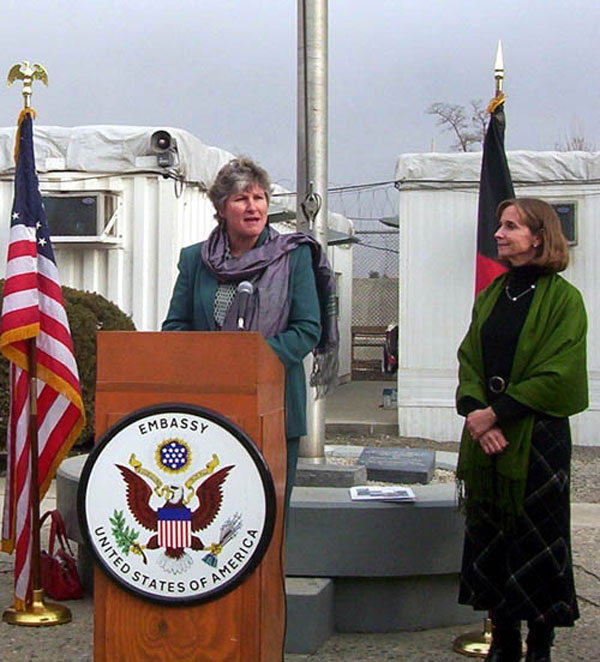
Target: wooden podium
(238, 376)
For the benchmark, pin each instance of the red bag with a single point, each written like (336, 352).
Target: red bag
(58, 570)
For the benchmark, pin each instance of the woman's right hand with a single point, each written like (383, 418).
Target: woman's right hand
(480, 421)
(493, 441)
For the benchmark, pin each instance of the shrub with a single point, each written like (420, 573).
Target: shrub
(88, 312)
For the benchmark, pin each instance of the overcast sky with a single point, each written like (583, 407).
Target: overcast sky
(226, 71)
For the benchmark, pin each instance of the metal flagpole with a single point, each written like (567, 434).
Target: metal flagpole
(312, 170)
(477, 644)
(38, 613)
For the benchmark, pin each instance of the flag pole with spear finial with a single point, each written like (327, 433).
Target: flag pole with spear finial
(38, 612)
(477, 644)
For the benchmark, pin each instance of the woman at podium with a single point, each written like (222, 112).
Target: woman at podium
(248, 276)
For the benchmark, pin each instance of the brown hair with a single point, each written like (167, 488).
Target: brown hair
(553, 253)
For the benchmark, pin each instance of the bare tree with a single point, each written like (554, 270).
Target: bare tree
(469, 131)
(575, 141)
(479, 119)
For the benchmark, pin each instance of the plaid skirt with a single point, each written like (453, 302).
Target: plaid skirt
(527, 573)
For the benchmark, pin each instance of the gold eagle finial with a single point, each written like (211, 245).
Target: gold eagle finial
(27, 73)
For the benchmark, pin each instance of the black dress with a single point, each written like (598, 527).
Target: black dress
(525, 573)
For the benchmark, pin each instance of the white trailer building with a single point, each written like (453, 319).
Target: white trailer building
(120, 207)
(437, 224)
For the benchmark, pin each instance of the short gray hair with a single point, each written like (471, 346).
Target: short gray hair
(236, 176)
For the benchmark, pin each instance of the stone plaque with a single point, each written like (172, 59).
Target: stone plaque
(398, 465)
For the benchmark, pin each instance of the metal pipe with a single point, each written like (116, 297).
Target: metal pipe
(312, 168)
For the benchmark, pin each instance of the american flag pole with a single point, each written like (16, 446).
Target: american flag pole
(46, 408)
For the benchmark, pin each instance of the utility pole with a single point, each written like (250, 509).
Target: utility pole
(312, 169)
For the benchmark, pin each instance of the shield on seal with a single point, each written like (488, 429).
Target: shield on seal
(174, 526)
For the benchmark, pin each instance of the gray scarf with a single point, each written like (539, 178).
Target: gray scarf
(267, 267)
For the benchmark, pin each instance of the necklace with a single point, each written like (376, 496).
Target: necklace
(521, 294)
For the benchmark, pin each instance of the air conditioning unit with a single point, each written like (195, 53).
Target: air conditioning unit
(82, 216)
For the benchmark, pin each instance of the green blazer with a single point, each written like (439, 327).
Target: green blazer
(191, 309)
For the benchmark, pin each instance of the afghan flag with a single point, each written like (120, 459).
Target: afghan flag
(495, 185)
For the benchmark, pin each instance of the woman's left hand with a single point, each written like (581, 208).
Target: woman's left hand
(493, 441)
(480, 421)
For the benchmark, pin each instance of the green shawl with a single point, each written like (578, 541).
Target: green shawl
(548, 375)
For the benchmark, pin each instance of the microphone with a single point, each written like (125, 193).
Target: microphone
(244, 292)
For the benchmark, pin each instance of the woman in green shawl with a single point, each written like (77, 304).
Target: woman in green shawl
(522, 374)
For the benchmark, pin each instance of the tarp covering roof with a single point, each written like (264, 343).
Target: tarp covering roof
(114, 149)
(450, 170)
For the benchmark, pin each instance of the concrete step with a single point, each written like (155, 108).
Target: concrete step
(310, 613)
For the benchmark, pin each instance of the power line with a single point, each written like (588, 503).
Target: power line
(365, 218)
(379, 248)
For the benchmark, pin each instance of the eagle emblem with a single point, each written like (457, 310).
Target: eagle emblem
(23, 71)
(174, 524)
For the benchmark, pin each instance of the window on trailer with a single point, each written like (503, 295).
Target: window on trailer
(81, 214)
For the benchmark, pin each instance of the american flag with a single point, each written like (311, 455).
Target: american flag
(33, 311)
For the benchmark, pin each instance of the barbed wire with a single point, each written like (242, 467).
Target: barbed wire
(365, 203)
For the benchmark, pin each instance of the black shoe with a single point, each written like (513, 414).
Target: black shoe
(539, 643)
(506, 646)
(538, 654)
